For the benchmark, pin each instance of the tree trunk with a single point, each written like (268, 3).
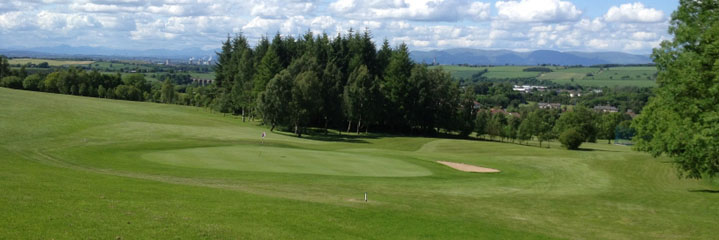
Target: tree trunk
(326, 121)
(359, 123)
(243, 114)
(273, 127)
(349, 126)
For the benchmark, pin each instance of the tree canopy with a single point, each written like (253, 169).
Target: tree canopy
(682, 119)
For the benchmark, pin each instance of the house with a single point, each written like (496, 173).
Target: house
(606, 109)
(528, 88)
(550, 105)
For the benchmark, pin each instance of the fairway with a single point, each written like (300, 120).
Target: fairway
(87, 168)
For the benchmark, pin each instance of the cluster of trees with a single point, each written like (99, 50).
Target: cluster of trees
(77, 81)
(571, 127)
(318, 81)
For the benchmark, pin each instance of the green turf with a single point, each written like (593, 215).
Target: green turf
(77, 168)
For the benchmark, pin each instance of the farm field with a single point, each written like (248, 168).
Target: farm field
(585, 76)
(76, 167)
(51, 62)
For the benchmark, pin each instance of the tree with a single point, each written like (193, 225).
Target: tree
(33, 82)
(608, 125)
(571, 138)
(4, 67)
(266, 70)
(581, 119)
(358, 94)
(11, 82)
(682, 119)
(305, 99)
(273, 103)
(482, 122)
(167, 92)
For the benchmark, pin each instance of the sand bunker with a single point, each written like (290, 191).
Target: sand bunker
(468, 168)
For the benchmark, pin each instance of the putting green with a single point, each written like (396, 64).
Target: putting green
(287, 160)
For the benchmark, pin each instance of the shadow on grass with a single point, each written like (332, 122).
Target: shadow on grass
(331, 137)
(704, 191)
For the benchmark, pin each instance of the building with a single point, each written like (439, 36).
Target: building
(550, 105)
(528, 88)
(606, 109)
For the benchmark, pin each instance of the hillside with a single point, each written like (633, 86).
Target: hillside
(77, 167)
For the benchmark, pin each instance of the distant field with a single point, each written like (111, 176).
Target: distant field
(210, 75)
(585, 76)
(51, 62)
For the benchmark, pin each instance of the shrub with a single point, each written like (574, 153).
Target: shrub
(33, 82)
(12, 82)
(571, 139)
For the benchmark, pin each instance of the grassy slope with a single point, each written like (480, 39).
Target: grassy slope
(636, 76)
(74, 167)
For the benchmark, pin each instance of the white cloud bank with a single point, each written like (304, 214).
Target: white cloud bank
(422, 24)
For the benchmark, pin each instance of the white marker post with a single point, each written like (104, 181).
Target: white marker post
(365, 196)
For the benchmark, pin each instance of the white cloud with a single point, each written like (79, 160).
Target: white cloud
(642, 36)
(537, 11)
(634, 12)
(417, 10)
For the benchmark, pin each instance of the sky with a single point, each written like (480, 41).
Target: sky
(522, 25)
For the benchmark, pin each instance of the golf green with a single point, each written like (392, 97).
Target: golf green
(287, 160)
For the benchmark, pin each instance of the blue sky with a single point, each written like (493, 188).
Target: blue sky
(565, 25)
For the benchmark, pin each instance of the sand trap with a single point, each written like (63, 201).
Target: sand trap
(468, 168)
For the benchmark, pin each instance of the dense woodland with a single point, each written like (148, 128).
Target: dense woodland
(316, 82)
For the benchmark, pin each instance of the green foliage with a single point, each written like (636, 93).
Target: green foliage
(682, 120)
(11, 82)
(582, 120)
(33, 82)
(274, 102)
(571, 138)
(167, 92)
(608, 123)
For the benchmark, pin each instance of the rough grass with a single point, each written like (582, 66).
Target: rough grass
(76, 167)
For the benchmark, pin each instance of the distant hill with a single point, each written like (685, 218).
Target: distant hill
(504, 57)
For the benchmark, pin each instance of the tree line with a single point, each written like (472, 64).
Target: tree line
(571, 128)
(342, 83)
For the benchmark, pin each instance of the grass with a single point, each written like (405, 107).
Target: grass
(210, 75)
(610, 77)
(51, 62)
(76, 167)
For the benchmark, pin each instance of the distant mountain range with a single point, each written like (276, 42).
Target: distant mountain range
(102, 52)
(447, 57)
(503, 57)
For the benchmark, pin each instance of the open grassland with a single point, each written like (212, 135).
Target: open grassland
(51, 62)
(209, 75)
(77, 168)
(585, 76)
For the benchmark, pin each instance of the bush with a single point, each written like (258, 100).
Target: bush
(33, 82)
(571, 139)
(12, 82)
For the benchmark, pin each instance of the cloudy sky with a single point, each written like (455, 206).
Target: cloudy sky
(565, 25)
